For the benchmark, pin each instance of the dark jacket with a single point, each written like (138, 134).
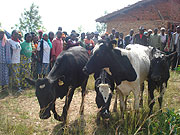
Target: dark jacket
(141, 41)
(40, 53)
(127, 40)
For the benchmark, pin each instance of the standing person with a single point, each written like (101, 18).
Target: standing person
(57, 46)
(15, 66)
(113, 32)
(34, 55)
(40, 32)
(60, 28)
(140, 38)
(175, 46)
(81, 40)
(154, 40)
(5, 59)
(148, 36)
(117, 39)
(26, 53)
(129, 38)
(51, 36)
(167, 49)
(89, 43)
(20, 36)
(163, 38)
(44, 49)
(121, 41)
(92, 35)
(96, 37)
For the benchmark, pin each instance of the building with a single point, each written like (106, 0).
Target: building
(147, 13)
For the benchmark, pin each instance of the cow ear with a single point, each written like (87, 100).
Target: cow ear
(31, 81)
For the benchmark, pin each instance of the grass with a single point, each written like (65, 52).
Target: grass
(19, 115)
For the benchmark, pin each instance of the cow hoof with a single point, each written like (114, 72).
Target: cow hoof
(57, 117)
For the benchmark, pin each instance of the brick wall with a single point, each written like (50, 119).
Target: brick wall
(148, 16)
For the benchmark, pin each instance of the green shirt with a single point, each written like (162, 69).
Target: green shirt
(154, 41)
(26, 49)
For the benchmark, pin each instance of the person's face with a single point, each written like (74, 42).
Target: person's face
(178, 30)
(155, 31)
(1, 35)
(28, 38)
(163, 31)
(150, 32)
(45, 37)
(59, 34)
(141, 31)
(121, 35)
(117, 35)
(83, 35)
(131, 33)
(113, 32)
(19, 36)
(35, 39)
(40, 33)
(15, 35)
(51, 35)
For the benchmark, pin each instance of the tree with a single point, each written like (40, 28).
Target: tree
(101, 27)
(30, 20)
(80, 29)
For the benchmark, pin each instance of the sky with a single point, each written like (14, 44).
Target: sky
(69, 14)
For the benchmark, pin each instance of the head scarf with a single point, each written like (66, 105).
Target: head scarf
(4, 38)
(49, 42)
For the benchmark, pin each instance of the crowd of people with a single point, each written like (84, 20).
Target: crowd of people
(35, 55)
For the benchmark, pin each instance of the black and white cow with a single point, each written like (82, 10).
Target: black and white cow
(129, 68)
(104, 86)
(65, 76)
(158, 76)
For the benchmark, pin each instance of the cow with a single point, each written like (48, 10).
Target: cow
(158, 76)
(129, 68)
(65, 76)
(104, 87)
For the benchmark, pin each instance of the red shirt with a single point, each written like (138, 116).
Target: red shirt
(89, 45)
(57, 47)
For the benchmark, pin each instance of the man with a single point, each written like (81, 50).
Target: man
(148, 36)
(89, 43)
(129, 38)
(57, 46)
(81, 40)
(175, 46)
(121, 40)
(95, 39)
(59, 28)
(140, 38)
(117, 39)
(163, 37)
(40, 32)
(113, 32)
(154, 40)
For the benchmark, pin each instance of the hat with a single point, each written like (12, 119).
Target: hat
(141, 28)
(178, 27)
(162, 28)
(40, 31)
(149, 30)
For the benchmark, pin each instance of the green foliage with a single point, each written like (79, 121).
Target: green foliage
(30, 20)
(80, 29)
(101, 27)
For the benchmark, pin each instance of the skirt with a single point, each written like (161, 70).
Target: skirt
(15, 76)
(4, 74)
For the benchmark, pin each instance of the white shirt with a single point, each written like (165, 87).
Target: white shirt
(163, 38)
(46, 51)
(16, 51)
(176, 38)
(130, 39)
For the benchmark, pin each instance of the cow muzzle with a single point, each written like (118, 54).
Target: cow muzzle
(105, 114)
(44, 115)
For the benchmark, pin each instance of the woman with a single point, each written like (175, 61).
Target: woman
(16, 49)
(44, 49)
(5, 59)
(26, 53)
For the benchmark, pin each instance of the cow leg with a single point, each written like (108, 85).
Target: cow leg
(160, 98)
(122, 104)
(136, 99)
(81, 111)
(56, 116)
(151, 101)
(126, 102)
(67, 104)
(115, 102)
(141, 96)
